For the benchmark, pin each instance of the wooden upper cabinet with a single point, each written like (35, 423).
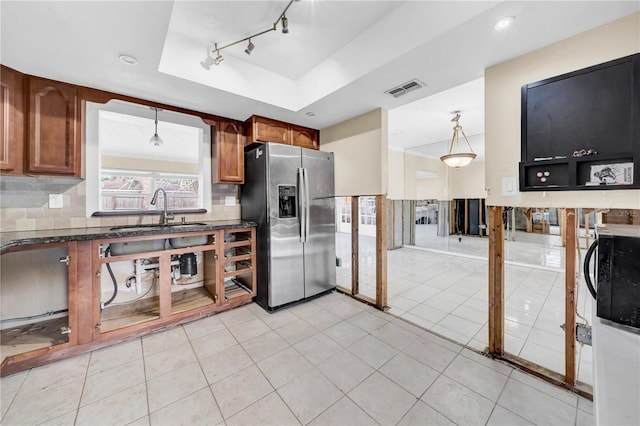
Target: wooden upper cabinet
(11, 120)
(53, 141)
(304, 137)
(227, 151)
(261, 129)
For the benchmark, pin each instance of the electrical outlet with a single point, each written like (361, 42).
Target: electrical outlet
(56, 201)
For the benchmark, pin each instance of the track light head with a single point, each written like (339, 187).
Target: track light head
(249, 48)
(218, 59)
(285, 25)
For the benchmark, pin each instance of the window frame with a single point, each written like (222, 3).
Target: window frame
(93, 166)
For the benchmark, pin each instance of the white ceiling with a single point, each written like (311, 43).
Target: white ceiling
(337, 60)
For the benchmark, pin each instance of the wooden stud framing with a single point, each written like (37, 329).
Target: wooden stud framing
(496, 281)
(355, 223)
(83, 296)
(563, 226)
(570, 305)
(381, 252)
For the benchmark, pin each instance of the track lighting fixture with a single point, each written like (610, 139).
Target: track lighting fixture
(155, 139)
(218, 58)
(282, 19)
(249, 48)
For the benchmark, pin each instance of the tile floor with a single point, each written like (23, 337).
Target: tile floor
(330, 361)
(447, 293)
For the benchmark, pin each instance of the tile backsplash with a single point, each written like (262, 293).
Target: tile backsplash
(24, 205)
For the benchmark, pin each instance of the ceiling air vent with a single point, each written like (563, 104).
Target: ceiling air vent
(405, 88)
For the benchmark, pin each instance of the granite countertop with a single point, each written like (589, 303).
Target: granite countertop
(9, 240)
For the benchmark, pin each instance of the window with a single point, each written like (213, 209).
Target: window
(367, 210)
(124, 169)
(345, 209)
(131, 190)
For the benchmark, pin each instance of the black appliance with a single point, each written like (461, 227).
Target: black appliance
(617, 266)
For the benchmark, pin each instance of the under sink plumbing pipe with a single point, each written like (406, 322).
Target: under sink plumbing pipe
(140, 267)
(113, 278)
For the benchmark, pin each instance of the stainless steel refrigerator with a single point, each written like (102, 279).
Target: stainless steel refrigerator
(289, 192)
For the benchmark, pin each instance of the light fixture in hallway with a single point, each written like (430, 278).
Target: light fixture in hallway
(456, 158)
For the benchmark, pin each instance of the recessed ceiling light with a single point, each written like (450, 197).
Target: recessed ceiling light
(504, 23)
(310, 113)
(129, 60)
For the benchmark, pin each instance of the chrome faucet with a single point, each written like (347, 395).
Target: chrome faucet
(166, 216)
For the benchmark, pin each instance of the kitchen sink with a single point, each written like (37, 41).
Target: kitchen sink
(190, 241)
(131, 247)
(169, 227)
(154, 245)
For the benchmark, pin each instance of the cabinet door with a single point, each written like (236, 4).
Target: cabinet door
(304, 137)
(11, 120)
(228, 153)
(267, 130)
(53, 140)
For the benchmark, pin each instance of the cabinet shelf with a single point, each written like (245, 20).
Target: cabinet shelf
(238, 258)
(577, 173)
(34, 335)
(241, 243)
(235, 288)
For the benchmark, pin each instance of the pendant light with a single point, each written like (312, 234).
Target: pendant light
(155, 139)
(456, 158)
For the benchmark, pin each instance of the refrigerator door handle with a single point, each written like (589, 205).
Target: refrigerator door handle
(307, 203)
(301, 205)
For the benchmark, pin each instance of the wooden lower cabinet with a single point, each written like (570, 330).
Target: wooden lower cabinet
(125, 288)
(38, 289)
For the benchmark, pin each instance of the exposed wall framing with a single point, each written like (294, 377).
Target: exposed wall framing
(380, 301)
(570, 295)
(496, 281)
(496, 300)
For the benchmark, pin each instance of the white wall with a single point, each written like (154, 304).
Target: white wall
(360, 152)
(502, 111)
(396, 174)
(468, 181)
(421, 189)
(446, 184)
